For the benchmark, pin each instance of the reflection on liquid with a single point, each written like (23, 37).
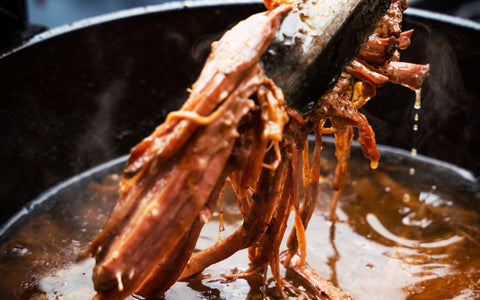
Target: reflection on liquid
(398, 237)
(380, 229)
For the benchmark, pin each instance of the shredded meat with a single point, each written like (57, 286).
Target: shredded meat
(235, 128)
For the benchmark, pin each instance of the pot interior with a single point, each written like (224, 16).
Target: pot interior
(74, 100)
(415, 232)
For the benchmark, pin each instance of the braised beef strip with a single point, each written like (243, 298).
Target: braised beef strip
(235, 128)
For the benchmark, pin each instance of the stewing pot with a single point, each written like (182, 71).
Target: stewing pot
(83, 94)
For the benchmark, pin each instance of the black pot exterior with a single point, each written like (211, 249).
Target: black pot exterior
(88, 95)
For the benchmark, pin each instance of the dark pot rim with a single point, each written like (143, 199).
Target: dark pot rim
(181, 5)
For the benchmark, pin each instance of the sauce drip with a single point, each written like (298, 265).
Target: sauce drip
(418, 101)
(417, 106)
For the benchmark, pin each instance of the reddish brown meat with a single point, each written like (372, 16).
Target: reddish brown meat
(236, 125)
(363, 71)
(378, 50)
(172, 173)
(407, 74)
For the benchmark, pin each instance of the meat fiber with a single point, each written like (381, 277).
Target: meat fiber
(236, 128)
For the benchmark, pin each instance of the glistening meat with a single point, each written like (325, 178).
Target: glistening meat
(235, 128)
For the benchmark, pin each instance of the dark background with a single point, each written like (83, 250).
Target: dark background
(57, 12)
(21, 19)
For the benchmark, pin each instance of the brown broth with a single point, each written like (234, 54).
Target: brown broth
(399, 236)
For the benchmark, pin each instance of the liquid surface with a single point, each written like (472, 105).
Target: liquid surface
(400, 236)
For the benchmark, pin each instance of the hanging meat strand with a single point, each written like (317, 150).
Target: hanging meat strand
(235, 128)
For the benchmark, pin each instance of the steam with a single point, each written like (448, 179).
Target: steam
(97, 139)
(447, 115)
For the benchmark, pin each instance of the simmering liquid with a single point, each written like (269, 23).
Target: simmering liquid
(399, 236)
